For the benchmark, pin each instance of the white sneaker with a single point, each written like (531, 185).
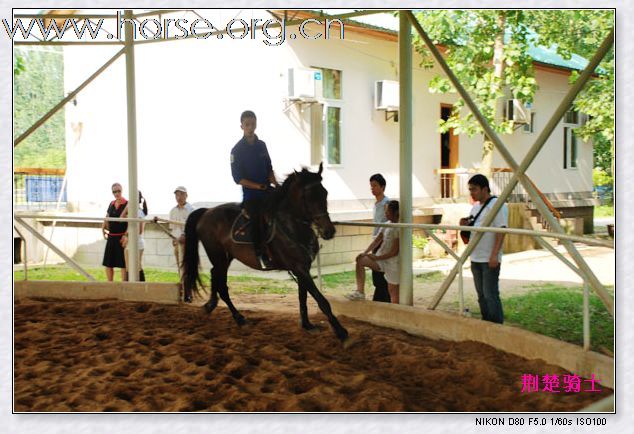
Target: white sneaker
(355, 295)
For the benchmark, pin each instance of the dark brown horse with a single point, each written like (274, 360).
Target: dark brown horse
(298, 205)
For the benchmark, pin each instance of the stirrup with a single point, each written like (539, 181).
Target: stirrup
(264, 262)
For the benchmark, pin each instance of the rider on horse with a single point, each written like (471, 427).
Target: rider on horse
(251, 168)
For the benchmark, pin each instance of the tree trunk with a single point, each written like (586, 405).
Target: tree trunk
(498, 74)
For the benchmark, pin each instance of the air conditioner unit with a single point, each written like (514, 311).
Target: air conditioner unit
(386, 95)
(517, 112)
(301, 83)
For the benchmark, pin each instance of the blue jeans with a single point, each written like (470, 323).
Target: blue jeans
(486, 281)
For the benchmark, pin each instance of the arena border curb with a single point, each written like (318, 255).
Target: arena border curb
(443, 325)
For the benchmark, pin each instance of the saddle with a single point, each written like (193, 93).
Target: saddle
(241, 230)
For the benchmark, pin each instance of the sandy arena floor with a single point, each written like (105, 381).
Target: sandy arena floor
(117, 356)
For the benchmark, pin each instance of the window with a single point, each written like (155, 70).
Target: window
(529, 127)
(326, 119)
(332, 83)
(333, 126)
(571, 117)
(571, 150)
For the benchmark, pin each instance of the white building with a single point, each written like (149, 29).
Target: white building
(316, 100)
(190, 94)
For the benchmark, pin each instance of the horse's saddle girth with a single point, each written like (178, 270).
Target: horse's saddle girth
(241, 230)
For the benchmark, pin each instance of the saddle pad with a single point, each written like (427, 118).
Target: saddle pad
(241, 230)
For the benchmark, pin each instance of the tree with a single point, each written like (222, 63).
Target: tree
(37, 87)
(18, 64)
(581, 32)
(473, 42)
(488, 50)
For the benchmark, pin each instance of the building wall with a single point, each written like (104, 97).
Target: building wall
(190, 95)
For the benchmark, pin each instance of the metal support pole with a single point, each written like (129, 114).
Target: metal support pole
(133, 191)
(445, 247)
(586, 317)
(460, 289)
(519, 170)
(62, 255)
(406, 291)
(512, 231)
(70, 96)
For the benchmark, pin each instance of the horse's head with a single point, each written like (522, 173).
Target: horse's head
(311, 200)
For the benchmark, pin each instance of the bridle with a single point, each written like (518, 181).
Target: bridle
(305, 209)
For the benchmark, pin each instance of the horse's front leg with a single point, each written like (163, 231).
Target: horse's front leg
(306, 282)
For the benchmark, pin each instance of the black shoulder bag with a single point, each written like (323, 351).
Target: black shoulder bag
(466, 235)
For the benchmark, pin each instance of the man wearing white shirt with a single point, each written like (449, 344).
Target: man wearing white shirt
(486, 257)
(179, 214)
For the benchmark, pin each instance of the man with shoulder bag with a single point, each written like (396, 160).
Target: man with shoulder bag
(487, 255)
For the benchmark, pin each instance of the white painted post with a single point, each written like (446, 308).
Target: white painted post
(133, 190)
(586, 317)
(460, 289)
(406, 290)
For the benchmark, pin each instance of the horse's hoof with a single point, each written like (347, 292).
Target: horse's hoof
(312, 329)
(241, 320)
(209, 308)
(348, 342)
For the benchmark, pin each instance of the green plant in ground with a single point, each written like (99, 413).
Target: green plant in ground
(431, 277)
(345, 278)
(557, 312)
(419, 241)
(66, 273)
(603, 211)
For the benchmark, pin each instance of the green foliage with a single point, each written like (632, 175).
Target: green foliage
(18, 64)
(600, 177)
(38, 86)
(468, 38)
(582, 32)
(603, 211)
(419, 242)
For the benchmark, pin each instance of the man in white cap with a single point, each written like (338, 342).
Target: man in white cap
(179, 214)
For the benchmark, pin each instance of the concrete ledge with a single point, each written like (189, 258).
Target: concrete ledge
(441, 325)
(166, 293)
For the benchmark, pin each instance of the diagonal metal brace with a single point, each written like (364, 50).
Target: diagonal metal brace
(521, 169)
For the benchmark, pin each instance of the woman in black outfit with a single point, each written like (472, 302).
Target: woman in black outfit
(114, 257)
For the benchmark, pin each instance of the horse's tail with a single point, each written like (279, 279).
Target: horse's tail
(191, 259)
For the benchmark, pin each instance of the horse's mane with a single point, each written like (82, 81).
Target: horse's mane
(304, 177)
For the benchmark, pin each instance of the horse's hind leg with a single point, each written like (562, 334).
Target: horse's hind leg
(213, 300)
(223, 290)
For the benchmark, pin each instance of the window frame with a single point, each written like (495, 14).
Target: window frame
(571, 138)
(338, 105)
(328, 103)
